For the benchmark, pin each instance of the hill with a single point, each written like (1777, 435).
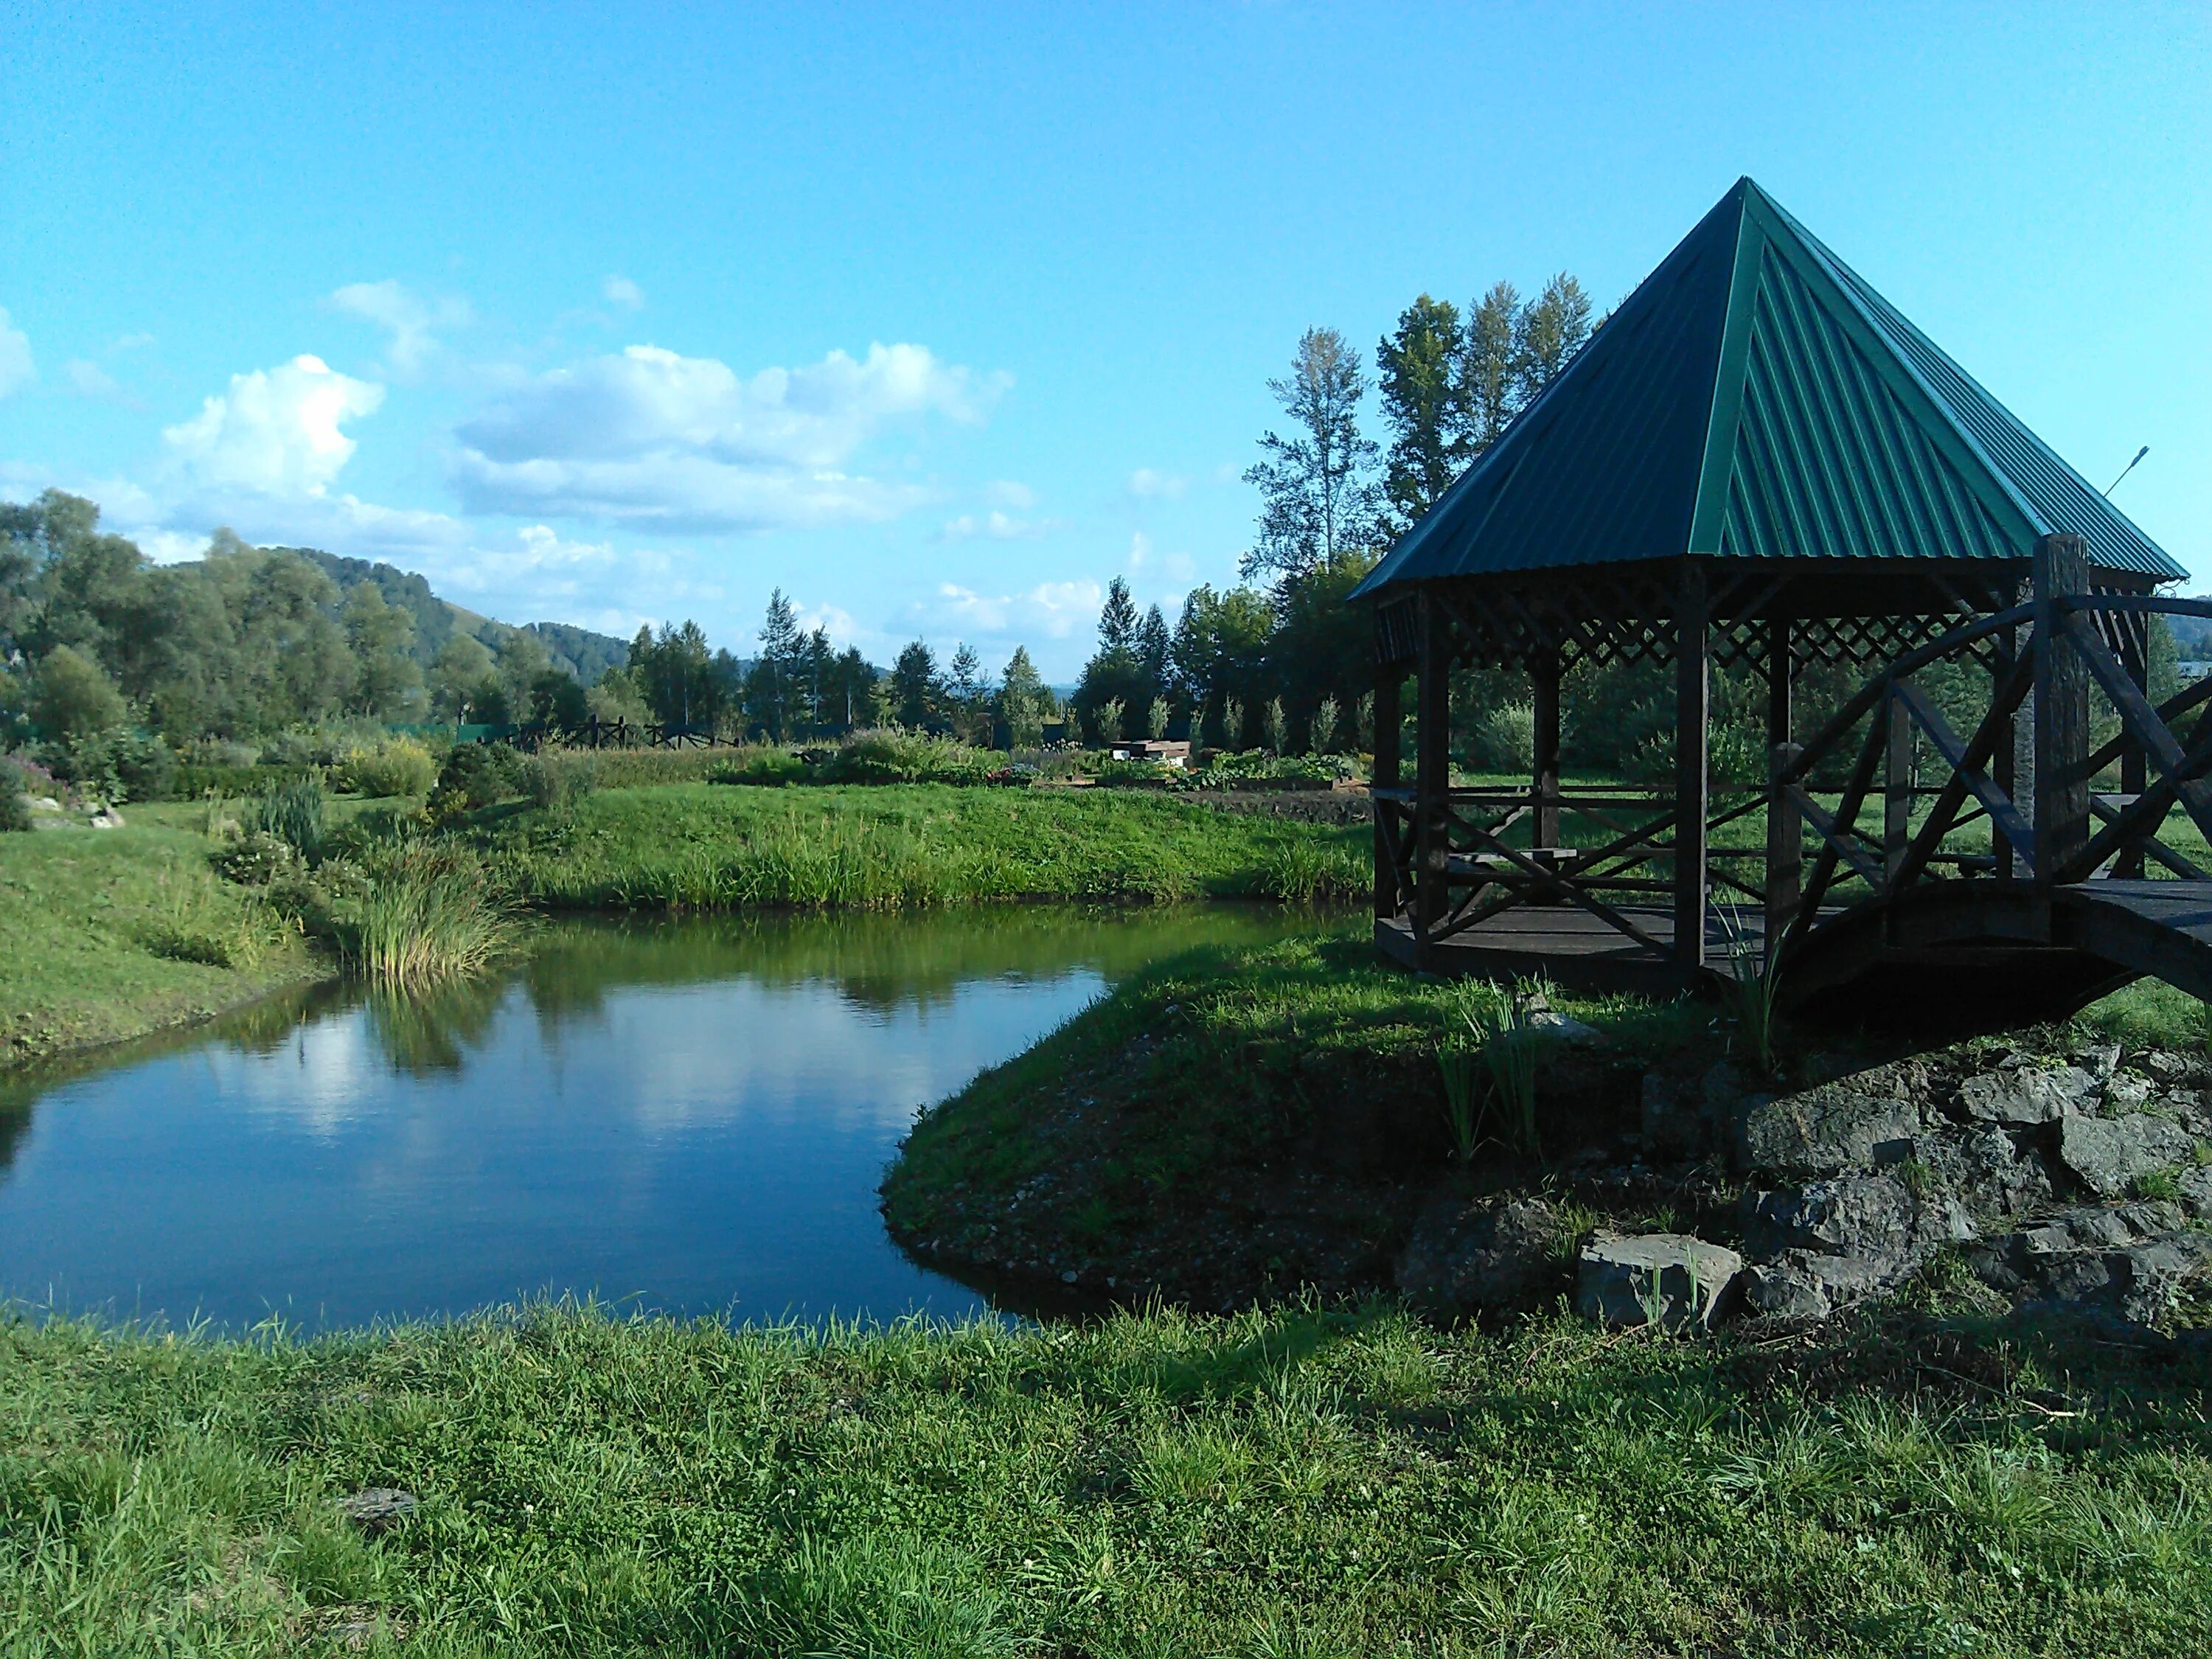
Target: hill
(578, 651)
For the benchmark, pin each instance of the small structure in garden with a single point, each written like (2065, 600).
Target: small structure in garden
(1757, 462)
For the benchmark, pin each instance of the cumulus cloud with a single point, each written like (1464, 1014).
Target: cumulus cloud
(18, 368)
(88, 379)
(1146, 484)
(276, 432)
(651, 438)
(992, 526)
(621, 291)
(406, 316)
(1052, 610)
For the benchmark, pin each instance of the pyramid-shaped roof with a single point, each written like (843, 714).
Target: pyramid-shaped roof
(1755, 398)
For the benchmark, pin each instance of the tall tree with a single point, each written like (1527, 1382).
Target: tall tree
(1489, 365)
(969, 693)
(459, 671)
(387, 681)
(675, 673)
(1317, 500)
(1424, 403)
(1022, 701)
(1117, 619)
(1553, 327)
(917, 694)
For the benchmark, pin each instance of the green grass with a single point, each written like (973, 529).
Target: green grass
(708, 848)
(1225, 1060)
(426, 916)
(1343, 1481)
(107, 934)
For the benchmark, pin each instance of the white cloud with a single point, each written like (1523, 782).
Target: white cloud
(275, 431)
(1146, 485)
(18, 368)
(130, 342)
(621, 291)
(1004, 492)
(837, 623)
(406, 316)
(1176, 566)
(994, 526)
(663, 442)
(89, 379)
(1053, 610)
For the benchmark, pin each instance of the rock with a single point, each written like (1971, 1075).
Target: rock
(43, 804)
(1984, 1168)
(1486, 1256)
(2196, 1189)
(2126, 1091)
(1800, 1287)
(2166, 1067)
(1876, 1217)
(107, 818)
(2027, 1094)
(2110, 1154)
(1672, 1277)
(2099, 1060)
(1547, 1021)
(2157, 1270)
(375, 1508)
(1670, 1124)
(1853, 1123)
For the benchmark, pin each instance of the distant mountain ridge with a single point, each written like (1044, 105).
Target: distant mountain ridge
(577, 651)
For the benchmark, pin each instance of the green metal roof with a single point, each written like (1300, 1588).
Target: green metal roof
(1755, 398)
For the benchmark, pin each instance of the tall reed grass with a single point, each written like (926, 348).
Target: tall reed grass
(424, 913)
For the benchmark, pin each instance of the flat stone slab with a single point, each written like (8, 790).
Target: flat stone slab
(2028, 1094)
(1851, 1124)
(1676, 1280)
(2110, 1154)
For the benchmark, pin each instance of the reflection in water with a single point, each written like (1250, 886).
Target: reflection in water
(691, 1115)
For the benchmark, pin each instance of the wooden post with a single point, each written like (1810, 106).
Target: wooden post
(1785, 848)
(2004, 768)
(1432, 768)
(1390, 903)
(1692, 705)
(1785, 836)
(1896, 785)
(2062, 710)
(2135, 768)
(1544, 683)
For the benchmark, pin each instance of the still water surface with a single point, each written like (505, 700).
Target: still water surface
(689, 1116)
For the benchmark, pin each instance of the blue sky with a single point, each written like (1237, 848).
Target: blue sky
(939, 319)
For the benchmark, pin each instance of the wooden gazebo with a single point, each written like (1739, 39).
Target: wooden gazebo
(1758, 461)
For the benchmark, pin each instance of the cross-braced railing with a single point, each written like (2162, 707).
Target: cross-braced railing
(2066, 659)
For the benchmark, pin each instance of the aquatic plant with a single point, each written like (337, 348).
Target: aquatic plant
(293, 814)
(424, 913)
(1752, 987)
(1489, 1069)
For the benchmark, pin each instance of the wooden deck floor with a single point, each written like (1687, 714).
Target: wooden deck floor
(1567, 944)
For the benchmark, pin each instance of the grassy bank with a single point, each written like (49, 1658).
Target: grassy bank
(1330, 1483)
(107, 934)
(710, 847)
(1239, 1123)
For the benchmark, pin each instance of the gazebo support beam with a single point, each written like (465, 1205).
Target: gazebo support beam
(1384, 774)
(1432, 768)
(1692, 709)
(1544, 696)
(2062, 710)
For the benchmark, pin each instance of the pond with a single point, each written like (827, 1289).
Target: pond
(685, 1116)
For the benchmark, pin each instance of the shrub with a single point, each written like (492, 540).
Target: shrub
(116, 765)
(764, 766)
(892, 753)
(556, 778)
(14, 805)
(397, 766)
(256, 859)
(292, 813)
(477, 775)
(1505, 739)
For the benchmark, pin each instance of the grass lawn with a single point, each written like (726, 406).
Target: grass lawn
(718, 846)
(1345, 1481)
(110, 934)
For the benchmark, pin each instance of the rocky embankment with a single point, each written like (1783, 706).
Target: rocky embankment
(2050, 1171)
